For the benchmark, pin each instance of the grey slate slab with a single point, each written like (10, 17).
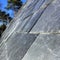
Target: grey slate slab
(18, 44)
(45, 47)
(50, 19)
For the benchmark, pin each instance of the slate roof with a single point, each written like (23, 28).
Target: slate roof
(34, 33)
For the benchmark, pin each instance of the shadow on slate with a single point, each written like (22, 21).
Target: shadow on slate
(18, 44)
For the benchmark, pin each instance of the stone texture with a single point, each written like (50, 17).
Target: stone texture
(45, 47)
(19, 42)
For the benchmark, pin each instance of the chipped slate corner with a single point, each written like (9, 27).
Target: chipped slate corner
(34, 33)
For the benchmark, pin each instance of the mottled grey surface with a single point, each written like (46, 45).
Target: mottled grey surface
(22, 41)
(45, 47)
(19, 45)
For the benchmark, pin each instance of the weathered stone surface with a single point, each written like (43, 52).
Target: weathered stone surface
(17, 47)
(26, 37)
(45, 47)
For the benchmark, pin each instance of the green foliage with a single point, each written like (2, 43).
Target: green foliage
(2, 28)
(14, 4)
(4, 16)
